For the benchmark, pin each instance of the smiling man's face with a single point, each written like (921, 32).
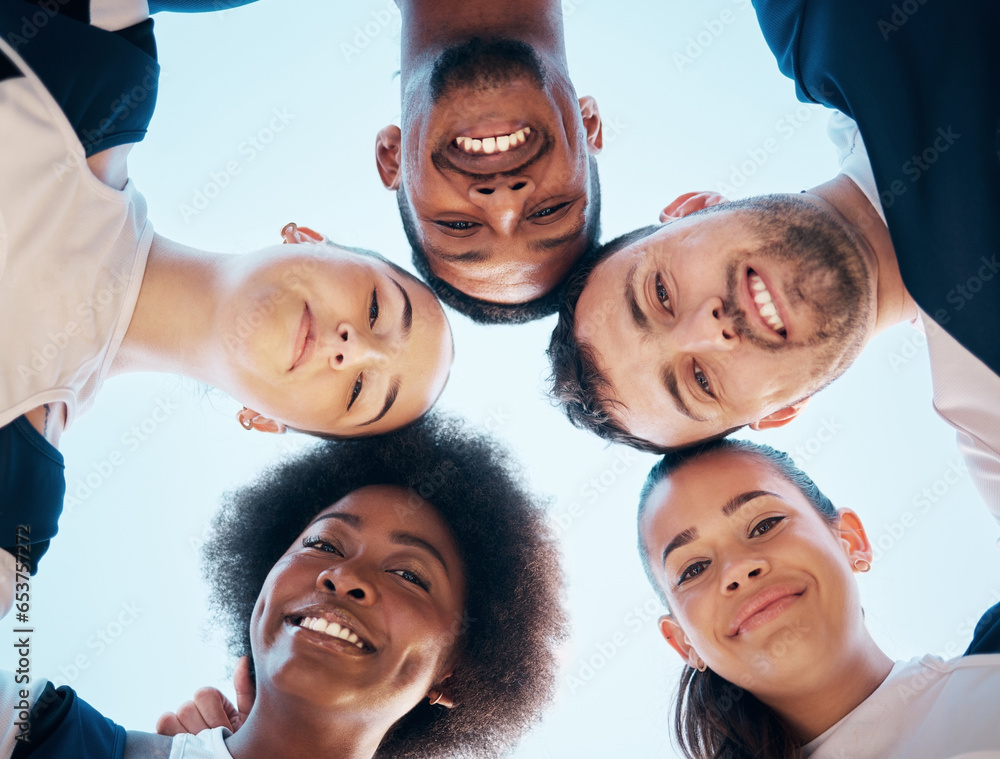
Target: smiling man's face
(725, 318)
(493, 161)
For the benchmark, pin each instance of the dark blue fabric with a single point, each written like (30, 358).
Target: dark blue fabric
(922, 80)
(986, 638)
(63, 726)
(105, 82)
(32, 486)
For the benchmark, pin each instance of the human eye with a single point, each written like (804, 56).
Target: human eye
(356, 390)
(661, 293)
(321, 544)
(764, 525)
(702, 380)
(457, 226)
(373, 309)
(691, 571)
(412, 577)
(549, 211)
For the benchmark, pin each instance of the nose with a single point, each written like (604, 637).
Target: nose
(353, 348)
(503, 199)
(743, 570)
(707, 327)
(346, 580)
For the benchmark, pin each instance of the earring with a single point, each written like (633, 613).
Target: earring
(862, 565)
(437, 697)
(289, 229)
(246, 420)
(701, 665)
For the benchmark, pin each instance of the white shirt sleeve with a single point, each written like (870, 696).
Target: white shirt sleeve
(8, 566)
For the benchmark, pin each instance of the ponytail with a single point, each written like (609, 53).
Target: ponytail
(718, 720)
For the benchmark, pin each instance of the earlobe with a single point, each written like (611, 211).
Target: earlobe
(674, 635)
(781, 417)
(388, 148)
(592, 124)
(855, 540)
(438, 696)
(251, 420)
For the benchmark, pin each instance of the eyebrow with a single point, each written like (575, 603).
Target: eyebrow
(471, 256)
(390, 398)
(398, 538)
(538, 246)
(407, 308)
(551, 243)
(638, 315)
(669, 379)
(731, 506)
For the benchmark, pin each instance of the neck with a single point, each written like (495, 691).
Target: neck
(893, 303)
(819, 703)
(278, 728)
(172, 327)
(430, 26)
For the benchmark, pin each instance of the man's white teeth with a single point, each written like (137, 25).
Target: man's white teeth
(490, 145)
(334, 630)
(765, 305)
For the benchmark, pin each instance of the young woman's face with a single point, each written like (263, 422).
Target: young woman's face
(324, 339)
(759, 583)
(364, 610)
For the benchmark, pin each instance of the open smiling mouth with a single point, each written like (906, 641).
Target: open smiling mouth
(493, 144)
(765, 303)
(333, 630)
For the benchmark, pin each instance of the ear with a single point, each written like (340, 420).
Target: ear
(853, 536)
(251, 420)
(440, 696)
(690, 202)
(388, 144)
(781, 417)
(674, 635)
(592, 124)
(292, 233)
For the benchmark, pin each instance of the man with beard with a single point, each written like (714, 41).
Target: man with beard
(493, 163)
(737, 313)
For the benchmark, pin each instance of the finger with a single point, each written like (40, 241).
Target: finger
(214, 708)
(190, 718)
(168, 724)
(246, 691)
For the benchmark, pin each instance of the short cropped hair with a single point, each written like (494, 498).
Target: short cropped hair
(513, 618)
(484, 311)
(779, 460)
(576, 383)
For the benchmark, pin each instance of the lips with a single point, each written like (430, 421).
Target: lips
(305, 339)
(763, 304)
(470, 149)
(766, 605)
(333, 627)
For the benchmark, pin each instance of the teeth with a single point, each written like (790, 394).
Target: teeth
(489, 145)
(765, 305)
(332, 629)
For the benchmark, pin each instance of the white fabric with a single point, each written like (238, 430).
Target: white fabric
(8, 566)
(10, 699)
(966, 391)
(208, 744)
(926, 708)
(72, 255)
(117, 14)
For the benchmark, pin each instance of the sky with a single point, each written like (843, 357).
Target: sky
(267, 114)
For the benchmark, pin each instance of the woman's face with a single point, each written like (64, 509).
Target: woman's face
(759, 584)
(324, 339)
(364, 609)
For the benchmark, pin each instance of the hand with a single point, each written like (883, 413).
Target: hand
(210, 708)
(690, 202)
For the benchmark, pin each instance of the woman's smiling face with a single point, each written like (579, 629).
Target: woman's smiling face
(365, 609)
(759, 583)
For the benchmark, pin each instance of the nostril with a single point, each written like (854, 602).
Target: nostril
(733, 586)
(485, 190)
(357, 593)
(754, 573)
(518, 185)
(328, 584)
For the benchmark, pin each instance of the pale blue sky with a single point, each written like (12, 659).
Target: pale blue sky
(689, 94)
